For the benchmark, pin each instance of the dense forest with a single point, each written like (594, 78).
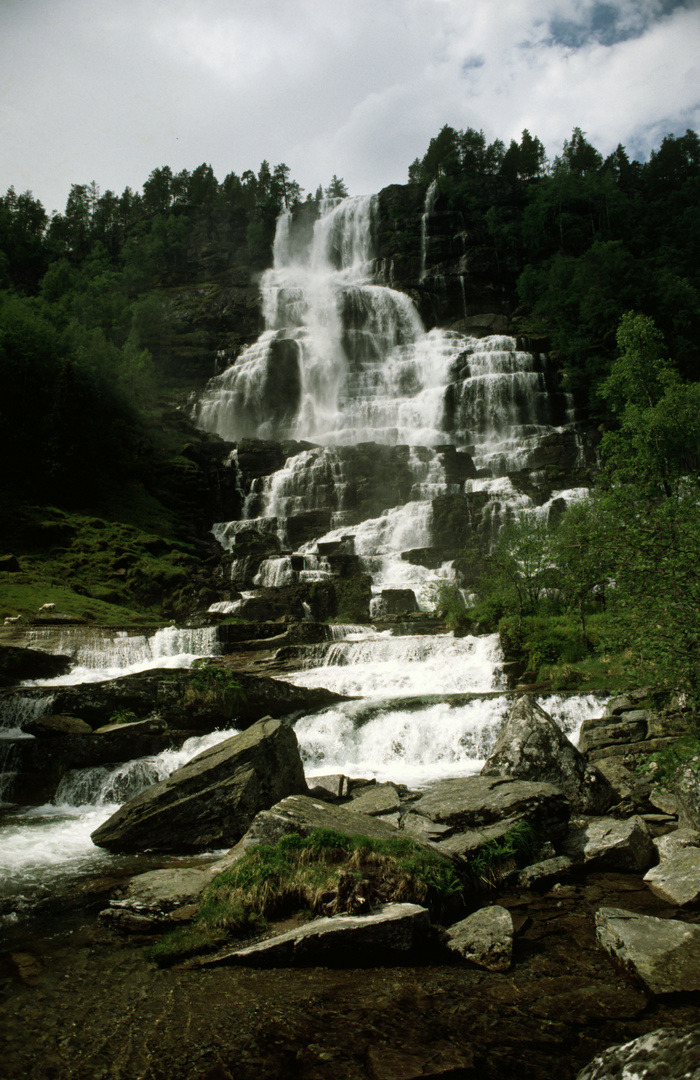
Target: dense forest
(602, 257)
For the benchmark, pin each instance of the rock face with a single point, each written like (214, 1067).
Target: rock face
(210, 802)
(663, 953)
(686, 788)
(665, 1054)
(392, 928)
(530, 746)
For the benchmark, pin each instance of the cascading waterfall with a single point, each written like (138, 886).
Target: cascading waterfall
(398, 419)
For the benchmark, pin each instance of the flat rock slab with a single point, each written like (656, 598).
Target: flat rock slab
(392, 928)
(665, 1054)
(472, 802)
(375, 799)
(163, 890)
(663, 953)
(677, 878)
(612, 844)
(302, 814)
(484, 938)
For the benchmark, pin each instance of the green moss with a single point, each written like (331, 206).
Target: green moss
(212, 686)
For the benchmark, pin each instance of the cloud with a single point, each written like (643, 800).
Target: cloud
(111, 91)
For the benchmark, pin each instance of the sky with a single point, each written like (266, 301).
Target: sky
(109, 90)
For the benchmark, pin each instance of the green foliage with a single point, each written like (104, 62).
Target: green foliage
(212, 686)
(353, 595)
(448, 603)
(662, 766)
(498, 856)
(304, 873)
(124, 716)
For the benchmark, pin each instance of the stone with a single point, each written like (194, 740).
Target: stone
(335, 785)
(530, 746)
(302, 814)
(686, 788)
(477, 809)
(668, 845)
(210, 802)
(663, 953)
(18, 663)
(375, 799)
(544, 874)
(43, 726)
(390, 929)
(439, 1058)
(164, 890)
(677, 879)
(612, 844)
(152, 726)
(664, 1054)
(485, 938)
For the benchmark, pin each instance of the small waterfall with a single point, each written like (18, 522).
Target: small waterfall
(428, 207)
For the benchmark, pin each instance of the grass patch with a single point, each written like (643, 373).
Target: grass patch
(93, 568)
(326, 872)
(496, 857)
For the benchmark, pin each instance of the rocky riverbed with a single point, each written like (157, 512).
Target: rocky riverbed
(80, 1002)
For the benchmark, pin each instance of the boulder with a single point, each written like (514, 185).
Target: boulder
(485, 938)
(530, 746)
(391, 929)
(17, 664)
(612, 844)
(670, 843)
(664, 1054)
(302, 814)
(686, 788)
(478, 809)
(663, 953)
(42, 727)
(677, 879)
(156, 899)
(544, 874)
(210, 802)
(376, 799)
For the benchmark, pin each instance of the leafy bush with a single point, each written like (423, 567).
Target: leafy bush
(212, 686)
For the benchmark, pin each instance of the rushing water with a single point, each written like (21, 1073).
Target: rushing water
(343, 360)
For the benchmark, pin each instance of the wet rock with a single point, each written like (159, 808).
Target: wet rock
(438, 1058)
(663, 953)
(485, 938)
(611, 844)
(664, 1054)
(334, 785)
(210, 802)
(530, 746)
(390, 929)
(677, 879)
(43, 726)
(17, 664)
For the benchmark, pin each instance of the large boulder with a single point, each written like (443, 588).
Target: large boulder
(303, 814)
(474, 810)
(677, 878)
(210, 802)
(530, 746)
(664, 1054)
(686, 788)
(611, 844)
(663, 953)
(484, 938)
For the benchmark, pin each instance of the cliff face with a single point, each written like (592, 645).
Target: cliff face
(446, 261)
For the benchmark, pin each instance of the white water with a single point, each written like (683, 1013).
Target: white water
(43, 846)
(97, 658)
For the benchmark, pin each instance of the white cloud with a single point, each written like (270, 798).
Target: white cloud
(111, 91)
